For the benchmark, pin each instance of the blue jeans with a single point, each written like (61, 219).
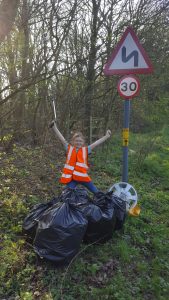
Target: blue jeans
(89, 185)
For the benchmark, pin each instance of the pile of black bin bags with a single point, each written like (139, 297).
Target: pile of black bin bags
(60, 226)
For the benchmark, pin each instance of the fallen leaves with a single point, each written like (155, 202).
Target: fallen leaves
(105, 272)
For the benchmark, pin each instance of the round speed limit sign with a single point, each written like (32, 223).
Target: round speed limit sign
(128, 86)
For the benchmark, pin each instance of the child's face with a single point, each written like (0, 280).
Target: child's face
(78, 142)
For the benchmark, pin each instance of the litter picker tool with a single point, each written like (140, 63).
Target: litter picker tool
(54, 108)
(52, 101)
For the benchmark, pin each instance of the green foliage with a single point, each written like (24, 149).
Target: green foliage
(132, 265)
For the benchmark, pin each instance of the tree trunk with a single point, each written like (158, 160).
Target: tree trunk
(20, 106)
(91, 66)
(8, 10)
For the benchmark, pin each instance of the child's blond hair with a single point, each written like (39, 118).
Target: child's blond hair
(77, 134)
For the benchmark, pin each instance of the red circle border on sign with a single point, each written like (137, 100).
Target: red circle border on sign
(138, 89)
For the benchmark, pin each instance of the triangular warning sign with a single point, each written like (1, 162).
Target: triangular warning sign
(128, 57)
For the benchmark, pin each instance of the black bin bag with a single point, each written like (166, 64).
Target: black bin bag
(99, 212)
(101, 219)
(78, 195)
(120, 210)
(30, 223)
(61, 230)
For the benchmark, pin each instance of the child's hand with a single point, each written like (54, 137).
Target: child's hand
(51, 124)
(108, 133)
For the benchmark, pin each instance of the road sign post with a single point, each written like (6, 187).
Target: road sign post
(125, 137)
(128, 57)
(128, 87)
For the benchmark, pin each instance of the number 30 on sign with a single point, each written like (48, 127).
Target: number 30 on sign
(128, 86)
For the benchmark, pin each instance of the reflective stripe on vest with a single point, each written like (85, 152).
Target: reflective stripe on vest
(69, 154)
(80, 174)
(84, 154)
(66, 175)
(82, 165)
(66, 166)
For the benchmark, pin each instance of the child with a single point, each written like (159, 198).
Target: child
(76, 166)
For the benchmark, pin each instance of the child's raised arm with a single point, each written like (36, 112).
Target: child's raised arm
(58, 133)
(101, 140)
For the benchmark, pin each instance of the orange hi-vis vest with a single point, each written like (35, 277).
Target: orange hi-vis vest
(76, 165)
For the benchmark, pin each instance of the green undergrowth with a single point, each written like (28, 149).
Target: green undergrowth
(132, 265)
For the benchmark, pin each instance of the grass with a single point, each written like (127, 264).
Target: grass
(132, 265)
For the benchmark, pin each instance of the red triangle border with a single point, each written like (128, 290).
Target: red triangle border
(148, 70)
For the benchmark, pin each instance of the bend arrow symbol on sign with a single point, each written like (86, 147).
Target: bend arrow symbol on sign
(132, 54)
